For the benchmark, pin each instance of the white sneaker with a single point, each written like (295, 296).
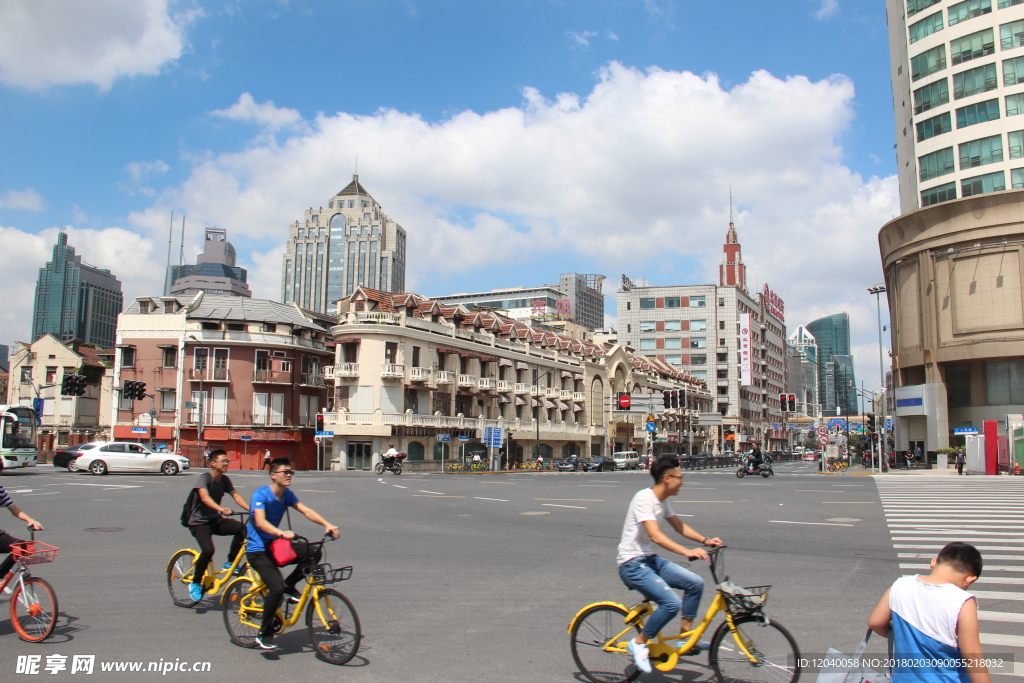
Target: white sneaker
(641, 656)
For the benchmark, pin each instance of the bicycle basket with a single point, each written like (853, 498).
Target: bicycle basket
(744, 600)
(324, 574)
(33, 552)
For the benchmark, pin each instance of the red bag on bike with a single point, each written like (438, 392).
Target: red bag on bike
(282, 552)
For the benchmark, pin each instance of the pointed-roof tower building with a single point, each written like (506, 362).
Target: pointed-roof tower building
(732, 272)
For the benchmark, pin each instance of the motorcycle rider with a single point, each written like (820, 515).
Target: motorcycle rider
(755, 460)
(389, 457)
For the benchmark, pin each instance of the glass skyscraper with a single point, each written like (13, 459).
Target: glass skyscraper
(836, 380)
(75, 300)
(352, 243)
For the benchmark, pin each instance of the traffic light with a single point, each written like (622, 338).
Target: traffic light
(79, 386)
(666, 396)
(783, 402)
(871, 422)
(140, 391)
(320, 422)
(792, 403)
(133, 391)
(66, 388)
(675, 399)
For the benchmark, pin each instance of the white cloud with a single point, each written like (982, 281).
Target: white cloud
(50, 42)
(27, 199)
(828, 8)
(581, 38)
(266, 115)
(78, 216)
(141, 171)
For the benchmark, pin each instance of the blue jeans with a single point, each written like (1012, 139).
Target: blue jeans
(655, 578)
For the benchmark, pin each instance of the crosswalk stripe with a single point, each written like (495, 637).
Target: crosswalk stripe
(987, 568)
(985, 615)
(1002, 639)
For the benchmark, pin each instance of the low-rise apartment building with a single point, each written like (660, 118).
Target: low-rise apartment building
(428, 377)
(245, 375)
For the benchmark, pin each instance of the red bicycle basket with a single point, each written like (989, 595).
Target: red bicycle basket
(33, 552)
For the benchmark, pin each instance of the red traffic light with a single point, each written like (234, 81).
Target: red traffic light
(624, 401)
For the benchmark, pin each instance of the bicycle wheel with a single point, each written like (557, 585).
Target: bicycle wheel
(179, 577)
(776, 652)
(34, 609)
(336, 636)
(243, 612)
(592, 630)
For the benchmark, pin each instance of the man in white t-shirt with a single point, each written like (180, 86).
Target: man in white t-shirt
(654, 577)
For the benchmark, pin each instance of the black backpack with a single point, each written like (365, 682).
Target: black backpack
(188, 507)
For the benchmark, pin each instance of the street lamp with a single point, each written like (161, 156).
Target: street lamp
(877, 290)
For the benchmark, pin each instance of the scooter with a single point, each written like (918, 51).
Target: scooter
(394, 466)
(764, 469)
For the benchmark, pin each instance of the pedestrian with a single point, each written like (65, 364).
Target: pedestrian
(909, 457)
(917, 455)
(934, 621)
(961, 460)
(206, 455)
(267, 458)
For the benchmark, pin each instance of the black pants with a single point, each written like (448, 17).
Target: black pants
(264, 565)
(960, 468)
(5, 547)
(204, 534)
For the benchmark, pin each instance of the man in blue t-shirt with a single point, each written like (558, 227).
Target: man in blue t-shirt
(268, 507)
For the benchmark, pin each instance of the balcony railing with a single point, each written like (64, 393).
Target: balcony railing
(313, 379)
(377, 417)
(579, 396)
(504, 385)
(565, 395)
(536, 390)
(209, 375)
(445, 377)
(551, 393)
(392, 371)
(467, 380)
(345, 370)
(271, 376)
(486, 383)
(419, 374)
(521, 388)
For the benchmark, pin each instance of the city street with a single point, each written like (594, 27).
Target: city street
(476, 577)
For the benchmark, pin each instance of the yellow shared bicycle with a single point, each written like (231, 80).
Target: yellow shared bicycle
(747, 646)
(180, 573)
(331, 619)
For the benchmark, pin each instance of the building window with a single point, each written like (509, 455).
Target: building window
(936, 125)
(1015, 104)
(1004, 382)
(723, 358)
(170, 357)
(927, 63)
(972, 46)
(1003, 4)
(915, 6)
(935, 164)
(269, 327)
(930, 96)
(673, 343)
(723, 391)
(702, 375)
(647, 326)
(698, 360)
(647, 303)
(168, 400)
(982, 184)
(647, 344)
(982, 151)
(723, 374)
(672, 359)
(1013, 71)
(721, 324)
(926, 27)
(127, 357)
(673, 325)
(698, 325)
(1016, 139)
(698, 342)
(721, 342)
(236, 327)
(698, 301)
(940, 193)
(51, 375)
(672, 302)
(1011, 35)
(974, 81)
(968, 9)
(1017, 178)
(958, 385)
(977, 113)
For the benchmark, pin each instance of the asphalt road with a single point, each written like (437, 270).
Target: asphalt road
(452, 581)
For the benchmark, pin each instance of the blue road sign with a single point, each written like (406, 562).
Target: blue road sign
(651, 427)
(965, 430)
(325, 433)
(835, 420)
(245, 437)
(140, 430)
(463, 437)
(888, 424)
(493, 437)
(37, 405)
(444, 437)
(776, 426)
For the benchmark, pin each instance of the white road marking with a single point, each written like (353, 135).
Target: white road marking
(779, 521)
(48, 493)
(435, 492)
(1001, 616)
(500, 500)
(106, 486)
(399, 486)
(575, 507)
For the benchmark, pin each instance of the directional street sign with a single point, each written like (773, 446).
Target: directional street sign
(245, 437)
(651, 427)
(463, 437)
(823, 440)
(444, 437)
(325, 434)
(140, 430)
(493, 437)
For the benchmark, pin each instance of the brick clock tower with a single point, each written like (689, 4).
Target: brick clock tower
(732, 272)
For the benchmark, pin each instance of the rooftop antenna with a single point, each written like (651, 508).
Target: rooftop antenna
(170, 239)
(181, 254)
(730, 205)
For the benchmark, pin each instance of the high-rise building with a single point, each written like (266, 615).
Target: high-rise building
(956, 72)
(697, 328)
(802, 377)
(351, 243)
(75, 300)
(837, 385)
(576, 298)
(215, 271)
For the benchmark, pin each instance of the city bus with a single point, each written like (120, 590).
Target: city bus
(18, 432)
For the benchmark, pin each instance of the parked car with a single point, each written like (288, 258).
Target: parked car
(810, 456)
(626, 460)
(66, 457)
(118, 456)
(601, 463)
(571, 464)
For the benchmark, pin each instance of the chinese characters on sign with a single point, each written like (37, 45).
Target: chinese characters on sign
(746, 352)
(538, 306)
(773, 303)
(564, 307)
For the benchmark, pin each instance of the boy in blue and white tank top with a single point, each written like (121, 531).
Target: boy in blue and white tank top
(934, 621)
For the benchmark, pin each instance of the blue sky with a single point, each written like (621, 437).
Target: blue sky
(243, 113)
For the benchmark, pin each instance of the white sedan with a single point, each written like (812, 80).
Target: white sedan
(118, 456)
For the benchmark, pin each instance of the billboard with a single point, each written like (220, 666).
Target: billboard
(746, 351)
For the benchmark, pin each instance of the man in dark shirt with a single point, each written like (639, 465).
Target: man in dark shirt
(207, 518)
